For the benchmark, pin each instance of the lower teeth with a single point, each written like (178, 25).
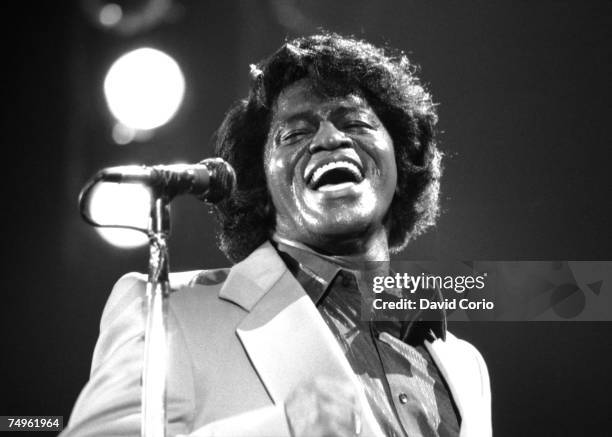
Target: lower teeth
(331, 187)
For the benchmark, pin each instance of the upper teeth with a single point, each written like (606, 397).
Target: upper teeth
(333, 165)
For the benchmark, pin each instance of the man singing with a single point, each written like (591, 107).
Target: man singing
(337, 167)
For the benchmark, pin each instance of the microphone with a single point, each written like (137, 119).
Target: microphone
(210, 180)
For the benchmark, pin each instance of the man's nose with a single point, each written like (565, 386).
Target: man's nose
(328, 138)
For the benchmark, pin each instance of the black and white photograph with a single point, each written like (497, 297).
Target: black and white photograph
(307, 218)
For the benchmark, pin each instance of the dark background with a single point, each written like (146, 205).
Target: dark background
(524, 98)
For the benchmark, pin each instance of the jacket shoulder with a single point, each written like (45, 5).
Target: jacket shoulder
(129, 288)
(209, 277)
(132, 287)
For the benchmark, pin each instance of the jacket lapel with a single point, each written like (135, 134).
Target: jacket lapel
(288, 342)
(251, 278)
(283, 334)
(282, 329)
(457, 363)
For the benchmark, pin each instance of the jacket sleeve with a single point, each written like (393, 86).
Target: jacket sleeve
(109, 404)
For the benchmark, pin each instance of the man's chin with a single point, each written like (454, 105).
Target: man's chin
(339, 231)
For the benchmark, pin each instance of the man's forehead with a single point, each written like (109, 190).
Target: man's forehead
(304, 96)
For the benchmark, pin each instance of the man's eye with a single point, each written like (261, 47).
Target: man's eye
(356, 125)
(293, 135)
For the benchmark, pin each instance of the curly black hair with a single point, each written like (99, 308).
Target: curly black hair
(338, 66)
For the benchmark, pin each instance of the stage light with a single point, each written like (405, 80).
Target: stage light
(144, 88)
(110, 14)
(121, 204)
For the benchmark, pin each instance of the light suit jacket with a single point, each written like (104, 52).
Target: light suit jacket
(240, 341)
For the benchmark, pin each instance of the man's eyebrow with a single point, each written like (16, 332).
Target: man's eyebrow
(350, 109)
(298, 116)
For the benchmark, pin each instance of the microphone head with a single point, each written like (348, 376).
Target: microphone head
(222, 180)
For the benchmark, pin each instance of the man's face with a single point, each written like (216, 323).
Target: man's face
(330, 167)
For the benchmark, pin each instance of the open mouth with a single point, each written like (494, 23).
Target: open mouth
(334, 173)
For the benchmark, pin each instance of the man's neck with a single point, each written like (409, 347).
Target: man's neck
(348, 253)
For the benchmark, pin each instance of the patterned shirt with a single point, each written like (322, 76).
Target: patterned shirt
(404, 387)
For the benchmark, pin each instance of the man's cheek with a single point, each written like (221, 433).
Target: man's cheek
(275, 163)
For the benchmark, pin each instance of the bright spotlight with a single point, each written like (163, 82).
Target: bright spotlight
(144, 88)
(121, 204)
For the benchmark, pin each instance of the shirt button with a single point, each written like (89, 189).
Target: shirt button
(403, 398)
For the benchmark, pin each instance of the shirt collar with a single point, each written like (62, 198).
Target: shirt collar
(316, 271)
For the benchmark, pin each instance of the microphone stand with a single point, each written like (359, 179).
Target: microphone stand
(212, 183)
(157, 292)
